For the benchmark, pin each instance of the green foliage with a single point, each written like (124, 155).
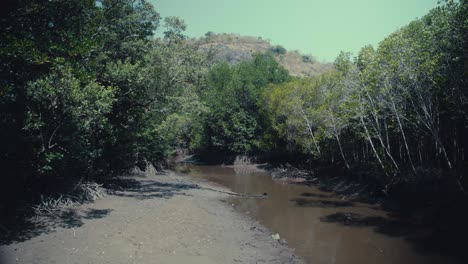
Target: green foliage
(278, 50)
(232, 94)
(64, 121)
(343, 62)
(183, 128)
(85, 92)
(89, 94)
(365, 57)
(401, 107)
(175, 28)
(209, 34)
(303, 111)
(307, 59)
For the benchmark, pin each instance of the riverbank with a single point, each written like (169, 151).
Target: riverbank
(165, 218)
(435, 207)
(326, 227)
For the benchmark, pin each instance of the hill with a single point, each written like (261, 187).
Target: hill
(236, 48)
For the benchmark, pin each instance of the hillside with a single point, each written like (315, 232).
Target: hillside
(235, 48)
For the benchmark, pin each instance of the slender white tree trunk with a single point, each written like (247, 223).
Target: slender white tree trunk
(397, 115)
(341, 150)
(371, 143)
(309, 127)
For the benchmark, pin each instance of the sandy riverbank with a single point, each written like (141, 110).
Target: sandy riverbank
(153, 219)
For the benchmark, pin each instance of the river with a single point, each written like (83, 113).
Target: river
(320, 226)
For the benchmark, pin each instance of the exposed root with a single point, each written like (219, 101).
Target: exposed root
(49, 205)
(242, 160)
(290, 172)
(90, 191)
(82, 193)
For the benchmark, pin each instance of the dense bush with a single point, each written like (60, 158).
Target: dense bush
(401, 107)
(86, 93)
(278, 50)
(232, 92)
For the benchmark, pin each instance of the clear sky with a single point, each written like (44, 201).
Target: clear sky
(319, 27)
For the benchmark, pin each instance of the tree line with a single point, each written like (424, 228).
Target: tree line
(397, 113)
(88, 92)
(399, 110)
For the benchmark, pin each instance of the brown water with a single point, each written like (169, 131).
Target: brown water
(320, 226)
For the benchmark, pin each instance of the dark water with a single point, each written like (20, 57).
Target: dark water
(320, 226)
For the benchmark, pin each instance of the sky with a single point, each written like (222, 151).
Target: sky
(321, 28)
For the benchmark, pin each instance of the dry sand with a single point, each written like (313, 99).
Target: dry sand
(153, 219)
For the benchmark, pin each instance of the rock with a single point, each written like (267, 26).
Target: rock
(276, 237)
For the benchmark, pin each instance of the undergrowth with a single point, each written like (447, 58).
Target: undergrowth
(81, 193)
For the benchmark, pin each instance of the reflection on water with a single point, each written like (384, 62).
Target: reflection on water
(321, 227)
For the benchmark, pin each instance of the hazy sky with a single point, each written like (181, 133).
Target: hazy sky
(319, 27)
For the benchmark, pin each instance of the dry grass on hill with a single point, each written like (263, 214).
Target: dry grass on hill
(235, 48)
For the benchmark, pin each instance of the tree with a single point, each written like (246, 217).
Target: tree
(232, 94)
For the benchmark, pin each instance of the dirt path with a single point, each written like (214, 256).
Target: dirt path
(156, 219)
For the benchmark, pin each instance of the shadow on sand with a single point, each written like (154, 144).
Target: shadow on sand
(146, 189)
(16, 227)
(21, 229)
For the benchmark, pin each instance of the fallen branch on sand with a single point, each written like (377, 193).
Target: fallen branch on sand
(264, 195)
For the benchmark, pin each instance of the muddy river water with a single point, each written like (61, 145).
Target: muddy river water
(320, 226)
